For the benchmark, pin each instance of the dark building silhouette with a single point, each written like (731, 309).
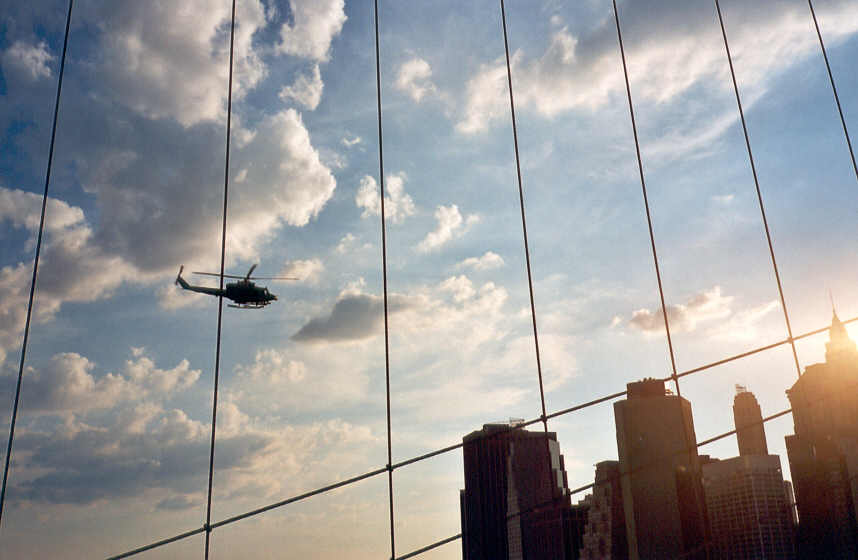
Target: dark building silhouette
(746, 497)
(605, 535)
(749, 423)
(749, 515)
(516, 505)
(574, 525)
(823, 452)
(661, 483)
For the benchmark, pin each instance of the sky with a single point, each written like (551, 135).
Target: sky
(112, 442)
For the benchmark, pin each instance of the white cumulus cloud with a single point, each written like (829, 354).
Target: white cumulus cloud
(306, 89)
(488, 261)
(314, 25)
(31, 60)
(415, 79)
(450, 225)
(398, 204)
(305, 270)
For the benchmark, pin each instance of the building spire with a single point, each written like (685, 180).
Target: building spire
(839, 343)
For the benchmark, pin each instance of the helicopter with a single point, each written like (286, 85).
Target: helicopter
(245, 294)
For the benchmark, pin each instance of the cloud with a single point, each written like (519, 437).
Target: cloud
(300, 378)
(170, 60)
(349, 141)
(450, 225)
(30, 60)
(308, 270)
(346, 242)
(306, 90)
(355, 316)
(710, 307)
(398, 204)
(116, 439)
(488, 261)
(460, 286)
(314, 25)
(414, 79)
(485, 97)
(583, 72)
(745, 324)
(68, 385)
(705, 306)
(23, 210)
(154, 190)
(72, 267)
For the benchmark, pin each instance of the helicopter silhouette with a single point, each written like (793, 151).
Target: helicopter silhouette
(245, 294)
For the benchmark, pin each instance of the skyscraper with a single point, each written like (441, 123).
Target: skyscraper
(516, 503)
(605, 533)
(823, 453)
(749, 515)
(748, 419)
(662, 489)
(746, 500)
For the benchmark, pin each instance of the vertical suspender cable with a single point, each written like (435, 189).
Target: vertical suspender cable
(646, 201)
(523, 220)
(833, 88)
(543, 416)
(35, 263)
(384, 286)
(220, 297)
(757, 185)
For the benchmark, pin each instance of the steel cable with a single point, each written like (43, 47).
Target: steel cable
(35, 264)
(757, 186)
(384, 286)
(646, 198)
(523, 218)
(833, 88)
(207, 526)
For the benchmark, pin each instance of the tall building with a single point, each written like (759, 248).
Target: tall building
(823, 452)
(749, 516)
(605, 533)
(748, 419)
(515, 505)
(660, 474)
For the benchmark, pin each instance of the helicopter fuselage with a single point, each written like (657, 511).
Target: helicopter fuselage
(246, 292)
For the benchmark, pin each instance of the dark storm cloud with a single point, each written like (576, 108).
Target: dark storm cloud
(354, 317)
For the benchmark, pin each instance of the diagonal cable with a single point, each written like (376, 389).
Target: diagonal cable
(833, 88)
(384, 286)
(757, 186)
(459, 445)
(35, 264)
(646, 199)
(543, 416)
(207, 526)
(523, 218)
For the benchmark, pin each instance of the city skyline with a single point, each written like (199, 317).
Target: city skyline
(112, 448)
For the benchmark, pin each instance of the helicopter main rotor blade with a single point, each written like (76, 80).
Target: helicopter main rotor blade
(272, 278)
(216, 274)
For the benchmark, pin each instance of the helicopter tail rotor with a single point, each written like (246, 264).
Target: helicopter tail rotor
(179, 276)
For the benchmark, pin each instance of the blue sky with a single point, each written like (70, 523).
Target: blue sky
(112, 446)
